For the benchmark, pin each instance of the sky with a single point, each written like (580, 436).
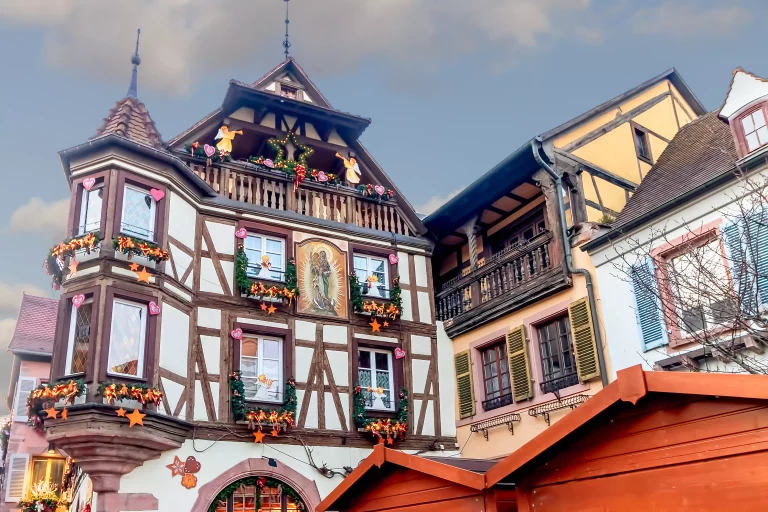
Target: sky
(452, 86)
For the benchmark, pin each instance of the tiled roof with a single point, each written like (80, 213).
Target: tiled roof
(130, 119)
(701, 151)
(36, 325)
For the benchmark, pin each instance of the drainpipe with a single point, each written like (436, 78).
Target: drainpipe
(536, 148)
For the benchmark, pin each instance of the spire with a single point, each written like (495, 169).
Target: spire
(286, 43)
(133, 91)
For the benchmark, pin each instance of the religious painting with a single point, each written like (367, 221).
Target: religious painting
(322, 276)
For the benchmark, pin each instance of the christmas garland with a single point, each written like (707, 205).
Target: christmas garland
(5, 434)
(198, 151)
(42, 497)
(46, 393)
(391, 309)
(297, 169)
(259, 482)
(130, 246)
(381, 428)
(257, 288)
(54, 263)
(240, 411)
(112, 391)
(376, 192)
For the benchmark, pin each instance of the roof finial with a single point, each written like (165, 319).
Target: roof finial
(133, 90)
(286, 43)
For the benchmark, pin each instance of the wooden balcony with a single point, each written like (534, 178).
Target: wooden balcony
(507, 281)
(258, 185)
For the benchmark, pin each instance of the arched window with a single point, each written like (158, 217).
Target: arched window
(258, 494)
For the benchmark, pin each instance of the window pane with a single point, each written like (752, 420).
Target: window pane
(57, 473)
(39, 470)
(748, 124)
(249, 367)
(382, 361)
(81, 335)
(90, 219)
(377, 265)
(250, 347)
(126, 344)
(752, 141)
(274, 246)
(271, 349)
(762, 135)
(361, 263)
(138, 214)
(364, 377)
(364, 359)
(758, 118)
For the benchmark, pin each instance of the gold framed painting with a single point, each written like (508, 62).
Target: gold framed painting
(321, 269)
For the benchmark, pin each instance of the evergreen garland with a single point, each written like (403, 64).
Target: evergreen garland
(361, 413)
(242, 281)
(392, 308)
(259, 482)
(68, 247)
(136, 246)
(240, 407)
(246, 285)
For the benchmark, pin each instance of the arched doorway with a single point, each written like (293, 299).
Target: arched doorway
(258, 494)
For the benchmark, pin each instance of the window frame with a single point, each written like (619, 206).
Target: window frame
(387, 278)
(48, 463)
(391, 270)
(264, 237)
(160, 207)
(150, 337)
(260, 339)
(61, 340)
(144, 309)
(71, 337)
(737, 128)
(76, 205)
(500, 349)
(152, 214)
(82, 225)
(573, 375)
(740, 123)
(254, 330)
(391, 361)
(646, 139)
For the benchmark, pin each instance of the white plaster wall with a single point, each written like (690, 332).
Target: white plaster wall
(428, 429)
(420, 372)
(174, 339)
(211, 352)
(209, 281)
(421, 345)
(425, 311)
(407, 313)
(332, 421)
(303, 361)
(182, 219)
(209, 318)
(616, 299)
(402, 268)
(181, 261)
(228, 267)
(335, 334)
(420, 265)
(173, 393)
(744, 90)
(305, 331)
(222, 236)
(446, 382)
(339, 362)
(243, 114)
(200, 412)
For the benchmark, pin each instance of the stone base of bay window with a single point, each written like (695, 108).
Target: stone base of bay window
(106, 447)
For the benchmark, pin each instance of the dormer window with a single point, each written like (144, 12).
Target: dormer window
(288, 92)
(755, 131)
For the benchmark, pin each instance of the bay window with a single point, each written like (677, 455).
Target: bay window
(374, 373)
(90, 210)
(138, 215)
(261, 368)
(127, 338)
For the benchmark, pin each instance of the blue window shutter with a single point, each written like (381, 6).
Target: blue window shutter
(648, 305)
(757, 234)
(740, 266)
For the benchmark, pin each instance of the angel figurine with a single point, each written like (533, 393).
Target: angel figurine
(226, 136)
(265, 266)
(353, 170)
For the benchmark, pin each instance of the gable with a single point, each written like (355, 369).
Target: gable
(289, 76)
(745, 89)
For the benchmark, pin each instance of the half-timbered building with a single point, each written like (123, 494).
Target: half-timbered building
(246, 308)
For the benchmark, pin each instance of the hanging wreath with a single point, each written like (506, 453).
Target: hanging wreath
(391, 309)
(382, 429)
(134, 246)
(54, 263)
(259, 482)
(112, 391)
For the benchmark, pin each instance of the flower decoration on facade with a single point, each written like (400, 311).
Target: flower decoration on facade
(391, 309)
(113, 391)
(376, 192)
(47, 393)
(133, 246)
(278, 420)
(287, 292)
(383, 430)
(41, 497)
(54, 263)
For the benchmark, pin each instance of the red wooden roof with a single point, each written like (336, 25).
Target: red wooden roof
(631, 384)
(382, 456)
(35, 326)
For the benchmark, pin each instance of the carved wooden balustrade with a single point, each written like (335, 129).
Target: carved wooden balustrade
(258, 185)
(502, 274)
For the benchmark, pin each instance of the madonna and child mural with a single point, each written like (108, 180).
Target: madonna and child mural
(321, 272)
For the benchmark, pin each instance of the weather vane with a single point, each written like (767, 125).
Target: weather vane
(286, 43)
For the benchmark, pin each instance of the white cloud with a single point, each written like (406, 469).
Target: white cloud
(435, 202)
(688, 19)
(183, 40)
(10, 296)
(39, 216)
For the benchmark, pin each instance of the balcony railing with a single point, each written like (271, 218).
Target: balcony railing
(499, 401)
(501, 275)
(258, 185)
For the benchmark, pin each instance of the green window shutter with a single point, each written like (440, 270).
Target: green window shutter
(464, 384)
(583, 334)
(519, 364)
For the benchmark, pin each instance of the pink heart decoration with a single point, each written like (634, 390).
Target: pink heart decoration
(379, 190)
(78, 300)
(154, 309)
(88, 183)
(209, 150)
(237, 333)
(269, 163)
(322, 177)
(157, 194)
(241, 233)
(393, 259)
(399, 353)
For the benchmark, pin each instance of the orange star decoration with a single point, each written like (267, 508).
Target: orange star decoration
(143, 275)
(52, 413)
(133, 266)
(136, 418)
(275, 432)
(177, 468)
(375, 326)
(258, 437)
(263, 306)
(385, 324)
(271, 309)
(64, 414)
(121, 412)
(73, 267)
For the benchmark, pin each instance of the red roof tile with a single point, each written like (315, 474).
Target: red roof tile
(36, 326)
